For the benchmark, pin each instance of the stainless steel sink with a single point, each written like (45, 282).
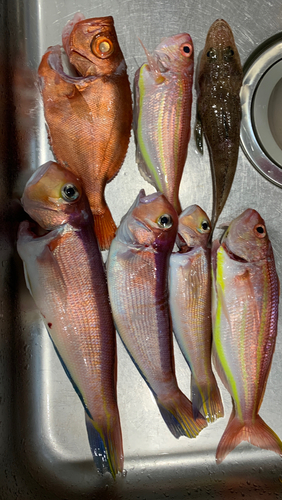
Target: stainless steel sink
(43, 443)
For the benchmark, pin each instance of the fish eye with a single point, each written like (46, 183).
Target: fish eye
(186, 49)
(102, 46)
(260, 230)
(205, 227)
(211, 53)
(165, 221)
(70, 192)
(229, 51)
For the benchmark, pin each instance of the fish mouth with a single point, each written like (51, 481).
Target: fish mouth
(182, 245)
(35, 230)
(232, 255)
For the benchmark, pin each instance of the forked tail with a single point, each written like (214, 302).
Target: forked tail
(206, 399)
(257, 433)
(105, 228)
(177, 413)
(106, 445)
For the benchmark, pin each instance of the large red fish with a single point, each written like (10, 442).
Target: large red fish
(73, 300)
(89, 116)
(245, 313)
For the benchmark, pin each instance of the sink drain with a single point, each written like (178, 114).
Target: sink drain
(261, 100)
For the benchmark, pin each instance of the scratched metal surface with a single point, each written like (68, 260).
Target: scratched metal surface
(43, 443)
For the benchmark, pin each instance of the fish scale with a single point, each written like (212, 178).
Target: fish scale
(190, 304)
(245, 314)
(162, 113)
(88, 116)
(74, 303)
(137, 277)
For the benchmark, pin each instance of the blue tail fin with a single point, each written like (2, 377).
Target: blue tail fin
(206, 399)
(178, 415)
(106, 446)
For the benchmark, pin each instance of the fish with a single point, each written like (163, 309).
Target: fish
(89, 115)
(162, 114)
(137, 269)
(190, 308)
(245, 313)
(73, 300)
(218, 83)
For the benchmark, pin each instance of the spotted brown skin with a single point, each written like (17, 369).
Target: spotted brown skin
(89, 115)
(219, 80)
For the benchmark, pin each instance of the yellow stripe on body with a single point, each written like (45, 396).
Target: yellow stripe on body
(261, 336)
(141, 142)
(217, 333)
(242, 358)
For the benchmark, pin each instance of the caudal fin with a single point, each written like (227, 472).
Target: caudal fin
(257, 433)
(206, 399)
(177, 413)
(105, 228)
(106, 446)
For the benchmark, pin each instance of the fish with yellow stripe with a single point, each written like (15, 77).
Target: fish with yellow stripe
(65, 275)
(245, 314)
(190, 307)
(162, 114)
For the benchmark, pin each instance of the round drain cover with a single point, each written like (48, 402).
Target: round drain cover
(261, 101)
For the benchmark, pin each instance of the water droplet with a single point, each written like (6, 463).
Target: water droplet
(124, 473)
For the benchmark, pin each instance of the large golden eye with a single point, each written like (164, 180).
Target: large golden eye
(70, 192)
(102, 46)
(165, 221)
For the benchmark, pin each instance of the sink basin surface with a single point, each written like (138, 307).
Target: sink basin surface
(43, 442)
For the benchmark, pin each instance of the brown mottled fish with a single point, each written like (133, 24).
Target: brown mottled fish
(219, 79)
(190, 307)
(137, 270)
(73, 300)
(89, 115)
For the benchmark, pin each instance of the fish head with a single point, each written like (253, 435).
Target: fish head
(53, 196)
(175, 54)
(150, 222)
(220, 49)
(194, 228)
(246, 237)
(92, 47)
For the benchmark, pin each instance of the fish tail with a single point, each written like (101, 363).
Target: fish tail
(206, 399)
(258, 433)
(177, 413)
(106, 445)
(105, 228)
